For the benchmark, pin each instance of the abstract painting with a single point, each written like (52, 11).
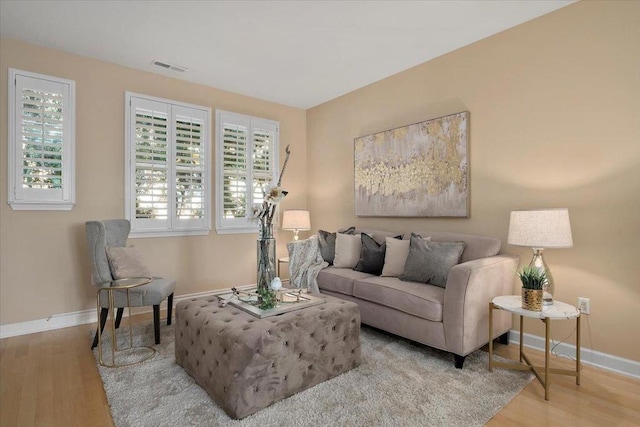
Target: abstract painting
(419, 170)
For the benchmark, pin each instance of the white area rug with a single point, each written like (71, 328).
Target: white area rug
(398, 384)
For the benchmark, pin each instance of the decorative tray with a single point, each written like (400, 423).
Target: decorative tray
(288, 300)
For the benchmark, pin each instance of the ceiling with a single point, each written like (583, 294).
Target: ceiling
(297, 53)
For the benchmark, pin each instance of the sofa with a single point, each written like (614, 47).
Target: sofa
(452, 316)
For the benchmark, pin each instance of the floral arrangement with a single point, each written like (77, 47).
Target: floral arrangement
(264, 214)
(273, 195)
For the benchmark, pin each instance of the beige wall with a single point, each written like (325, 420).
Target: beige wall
(44, 266)
(554, 122)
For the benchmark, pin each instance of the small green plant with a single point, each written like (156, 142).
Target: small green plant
(266, 298)
(532, 278)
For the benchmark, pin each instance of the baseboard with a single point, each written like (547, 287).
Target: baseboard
(605, 361)
(591, 357)
(76, 318)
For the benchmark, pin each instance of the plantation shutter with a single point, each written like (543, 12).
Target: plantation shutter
(246, 166)
(169, 166)
(263, 136)
(150, 134)
(190, 157)
(41, 149)
(234, 137)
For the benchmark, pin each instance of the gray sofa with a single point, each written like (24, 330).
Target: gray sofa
(454, 318)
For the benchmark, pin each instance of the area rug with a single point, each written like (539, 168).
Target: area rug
(398, 383)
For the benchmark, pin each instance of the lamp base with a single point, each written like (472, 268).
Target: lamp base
(548, 288)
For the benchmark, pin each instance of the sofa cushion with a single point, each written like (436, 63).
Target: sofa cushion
(327, 243)
(430, 262)
(339, 280)
(476, 247)
(347, 250)
(417, 299)
(372, 255)
(395, 257)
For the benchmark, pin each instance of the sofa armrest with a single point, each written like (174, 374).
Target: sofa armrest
(470, 287)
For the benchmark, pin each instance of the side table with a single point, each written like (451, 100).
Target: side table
(110, 287)
(557, 311)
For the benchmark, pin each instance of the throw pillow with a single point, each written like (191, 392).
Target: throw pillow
(430, 262)
(347, 250)
(327, 242)
(126, 262)
(372, 255)
(396, 256)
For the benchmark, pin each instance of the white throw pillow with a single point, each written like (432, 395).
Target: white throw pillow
(396, 256)
(347, 250)
(126, 262)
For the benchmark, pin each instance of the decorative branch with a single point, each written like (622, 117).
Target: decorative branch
(286, 159)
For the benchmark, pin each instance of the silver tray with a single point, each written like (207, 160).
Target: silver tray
(290, 300)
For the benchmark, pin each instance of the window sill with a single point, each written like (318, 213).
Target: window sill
(238, 230)
(40, 206)
(141, 234)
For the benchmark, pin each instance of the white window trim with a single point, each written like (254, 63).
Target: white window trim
(172, 230)
(68, 198)
(248, 226)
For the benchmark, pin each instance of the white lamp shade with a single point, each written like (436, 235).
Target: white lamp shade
(296, 220)
(540, 228)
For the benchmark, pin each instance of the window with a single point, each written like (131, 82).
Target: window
(246, 161)
(41, 155)
(168, 166)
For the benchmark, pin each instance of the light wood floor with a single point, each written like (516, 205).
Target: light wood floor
(51, 379)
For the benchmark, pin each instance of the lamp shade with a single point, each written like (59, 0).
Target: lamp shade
(296, 220)
(540, 228)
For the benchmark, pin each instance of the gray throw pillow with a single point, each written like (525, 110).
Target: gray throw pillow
(126, 263)
(430, 262)
(327, 242)
(371, 255)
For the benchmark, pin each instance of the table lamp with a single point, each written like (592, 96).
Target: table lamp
(540, 229)
(296, 220)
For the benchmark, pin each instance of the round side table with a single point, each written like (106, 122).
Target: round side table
(557, 311)
(110, 287)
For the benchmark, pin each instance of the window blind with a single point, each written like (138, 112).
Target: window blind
(41, 142)
(168, 190)
(247, 159)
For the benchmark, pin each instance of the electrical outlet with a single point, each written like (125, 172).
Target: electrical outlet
(584, 305)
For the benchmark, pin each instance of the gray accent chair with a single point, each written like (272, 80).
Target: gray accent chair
(114, 232)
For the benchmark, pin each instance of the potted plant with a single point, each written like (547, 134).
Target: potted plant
(532, 282)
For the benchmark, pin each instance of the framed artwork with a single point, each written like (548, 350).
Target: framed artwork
(419, 170)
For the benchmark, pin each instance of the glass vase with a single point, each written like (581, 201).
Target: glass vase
(266, 262)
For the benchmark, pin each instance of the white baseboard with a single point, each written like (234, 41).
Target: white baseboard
(598, 359)
(65, 320)
(605, 361)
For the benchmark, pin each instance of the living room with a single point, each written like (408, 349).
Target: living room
(554, 122)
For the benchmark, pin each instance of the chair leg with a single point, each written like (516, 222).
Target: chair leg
(156, 322)
(103, 319)
(119, 316)
(169, 308)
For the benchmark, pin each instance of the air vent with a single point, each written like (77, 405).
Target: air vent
(171, 67)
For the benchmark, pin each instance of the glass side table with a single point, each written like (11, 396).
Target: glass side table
(557, 311)
(110, 287)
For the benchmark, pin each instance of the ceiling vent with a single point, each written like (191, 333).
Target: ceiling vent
(171, 67)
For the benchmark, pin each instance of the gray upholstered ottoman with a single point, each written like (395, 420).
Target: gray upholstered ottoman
(246, 363)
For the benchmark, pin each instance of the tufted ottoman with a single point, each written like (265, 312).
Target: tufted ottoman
(246, 363)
